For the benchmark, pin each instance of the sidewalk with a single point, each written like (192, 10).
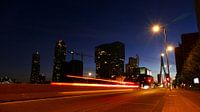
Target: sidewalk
(175, 101)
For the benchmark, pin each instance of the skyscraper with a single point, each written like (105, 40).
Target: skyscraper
(35, 71)
(59, 58)
(109, 59)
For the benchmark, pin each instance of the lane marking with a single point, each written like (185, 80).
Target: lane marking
(172, 95)
(143, 104)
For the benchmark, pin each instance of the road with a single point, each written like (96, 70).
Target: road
(153, 100)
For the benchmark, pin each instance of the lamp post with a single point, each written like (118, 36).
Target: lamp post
(89, 74)
(156, 29)
(162, 54)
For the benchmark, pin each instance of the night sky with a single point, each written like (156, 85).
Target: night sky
(27, 26)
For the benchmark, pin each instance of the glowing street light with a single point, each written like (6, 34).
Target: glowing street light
(162, 54)
(170, 48)
(156, 28)
(90, 74)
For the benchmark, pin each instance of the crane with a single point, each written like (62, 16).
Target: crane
(73, 52)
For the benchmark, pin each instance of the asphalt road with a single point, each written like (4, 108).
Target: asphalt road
(153, 100)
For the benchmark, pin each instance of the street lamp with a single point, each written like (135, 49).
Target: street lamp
(170, 48)
(89, 74)
(156, 29)
(162, 54)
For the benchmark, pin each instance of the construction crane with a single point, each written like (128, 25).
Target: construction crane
(72, 52)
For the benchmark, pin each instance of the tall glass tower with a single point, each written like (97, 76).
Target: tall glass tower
(59, 58)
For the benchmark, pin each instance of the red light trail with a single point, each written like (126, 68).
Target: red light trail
(94, 85)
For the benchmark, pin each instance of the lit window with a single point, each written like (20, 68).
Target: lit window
(103, 52)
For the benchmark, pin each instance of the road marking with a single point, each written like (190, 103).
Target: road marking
(101, 92)
(172, 95)
(143, 104)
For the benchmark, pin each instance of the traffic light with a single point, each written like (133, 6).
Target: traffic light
(149, 80)
(167, 79)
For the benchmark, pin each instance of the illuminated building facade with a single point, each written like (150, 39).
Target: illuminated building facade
(144, 71)
(59, 58)
(35, 71)
(109, 59)
(145, 76)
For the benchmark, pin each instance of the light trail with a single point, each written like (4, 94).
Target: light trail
(94, 85)
(89, 78)
(94, 91)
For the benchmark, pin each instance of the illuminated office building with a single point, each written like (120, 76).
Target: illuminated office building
(109, 59)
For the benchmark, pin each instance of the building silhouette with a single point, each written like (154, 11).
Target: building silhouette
(59, 58)
(197, 7)
(182, 52)
(132, 67)
(159, 78)
(35, 71)
(109, 59)
(74, 67)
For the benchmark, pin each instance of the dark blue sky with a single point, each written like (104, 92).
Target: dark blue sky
(30, 25)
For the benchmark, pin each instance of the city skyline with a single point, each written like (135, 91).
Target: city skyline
(85, 25)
